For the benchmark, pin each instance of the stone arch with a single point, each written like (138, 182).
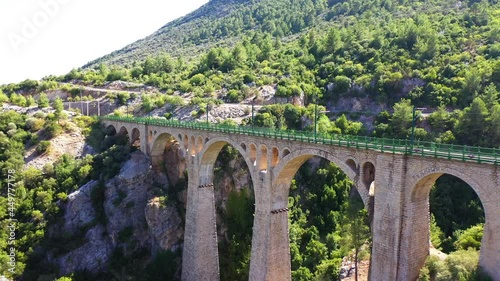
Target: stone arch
(367, 174)
(286, 151)
(215, 191)
(418, 214)
(185, 142)
(291, 163)
(351, 164)
(213, 147)
(123, 131)
(243, 146)
(275, 157)
(283, 175)
(150, 136)
(110, 130)
(135, 138)
(262, 161)
(124, 135)
(192, 146)
(368, 181)
(161, 142)
(253, 154)
(199, 144)
(423, 180)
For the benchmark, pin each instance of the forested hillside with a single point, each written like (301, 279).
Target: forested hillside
(364, 67)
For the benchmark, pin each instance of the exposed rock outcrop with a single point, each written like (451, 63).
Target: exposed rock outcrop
(92, 256)
(136, 219)
(79, 210)
(164, 225)
(126, 198)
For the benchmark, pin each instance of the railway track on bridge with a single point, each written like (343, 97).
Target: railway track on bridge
(481, 155)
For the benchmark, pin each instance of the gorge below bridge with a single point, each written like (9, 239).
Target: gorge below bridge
(393, 177)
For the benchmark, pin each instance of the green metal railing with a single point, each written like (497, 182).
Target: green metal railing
(399, 146)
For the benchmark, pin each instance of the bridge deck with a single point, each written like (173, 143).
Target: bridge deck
(421, 148)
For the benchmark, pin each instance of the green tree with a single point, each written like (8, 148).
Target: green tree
(472, 124)
(494, 124)
(472, 86)
(215, 58)
(43, 101)
(356, 228)
(302, 274)
(43, 147)
(462, 265)
(165, 63)
(265, 119)
(3, 97)
(469, 238)
(239, 56)
(30, 101)
(58, 107)
(490, 96)
(18, 99)
(332, 41)
(348, 127)
(440, 120)
(401, 119)
(455, 206)
(433, 265)
(437, 235)
(342, 84)
(235, 253)
(149, 66)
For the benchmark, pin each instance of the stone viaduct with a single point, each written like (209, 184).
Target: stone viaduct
(395, 186)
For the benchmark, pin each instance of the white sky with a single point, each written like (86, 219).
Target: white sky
(44, 37)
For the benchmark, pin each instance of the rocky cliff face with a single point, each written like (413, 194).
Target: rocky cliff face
(165, 225)
(138, 210)
(137, 218)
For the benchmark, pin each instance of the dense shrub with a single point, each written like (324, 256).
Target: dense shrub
(43, 146)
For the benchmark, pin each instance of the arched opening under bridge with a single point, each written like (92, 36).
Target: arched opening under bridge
(234, 206)
(169, 156)
(112, 136)
(328, 216)
(135, 138)
(447, 221)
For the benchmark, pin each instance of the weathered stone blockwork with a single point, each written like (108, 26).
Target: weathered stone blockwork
(399, 186)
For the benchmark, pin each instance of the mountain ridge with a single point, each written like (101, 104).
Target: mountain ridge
(209, 11)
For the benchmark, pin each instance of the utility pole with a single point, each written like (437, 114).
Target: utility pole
(315, 121)
(253, 121)
(315, 100)
(81, 101)
(207, 113)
